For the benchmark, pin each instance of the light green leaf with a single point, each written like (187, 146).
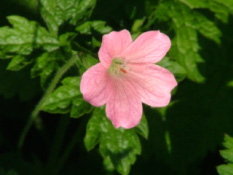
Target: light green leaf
(228, 142)
(56, 12)
(118, 147)
(225, 169)
(24, 37)
(99, 26)
(67, 98)
(227, 154)
(195, 3)
(18, 62)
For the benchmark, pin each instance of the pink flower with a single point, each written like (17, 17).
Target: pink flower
(126, 76)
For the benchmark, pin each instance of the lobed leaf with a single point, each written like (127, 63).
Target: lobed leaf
(118, 147)
(227, 154)
(24, 37)
(99, 26)
(67, 98)
(57, 12)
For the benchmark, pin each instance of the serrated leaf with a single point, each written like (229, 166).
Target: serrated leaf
(222, 9)
(118, 147)
(45, 65)
(18, 62)
(67, 98)
(228, 142)
(227, 154)
(24, 37)
(56, 12)
(225, 169)
(85, 62)
(174, 67)
(185, 44)
(79, 108)
(99, 26)
(207, 28)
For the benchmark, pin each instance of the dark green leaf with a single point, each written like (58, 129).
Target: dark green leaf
(79, 108)
(56, 12)
(99, 26)
(18, 62)
(118, 147)
(142, 127)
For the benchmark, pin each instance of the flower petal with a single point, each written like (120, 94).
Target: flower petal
(124, 108)
(153, 83)
(96, 85)
(149, 47)
(112, 46)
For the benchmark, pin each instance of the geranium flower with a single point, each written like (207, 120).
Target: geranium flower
(126, 76)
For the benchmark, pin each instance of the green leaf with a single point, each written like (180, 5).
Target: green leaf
(118, 147)
(99, 26)
(227, 154)
(225, 169)
(24, 37)
(18, 62)
(67, 98)
(45, 65)
(185, 44)
(222, 9)
(174, 67)
(79, 108)
(207, 28)
(195, 3)
(228, 142)
(85, 62)
(56, 12)
(142, 127)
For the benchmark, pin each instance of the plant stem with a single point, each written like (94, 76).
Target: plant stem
(50, 89)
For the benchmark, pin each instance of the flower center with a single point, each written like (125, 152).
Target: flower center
(117, 67)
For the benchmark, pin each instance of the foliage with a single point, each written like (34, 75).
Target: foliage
(46, 46)
(227, 154)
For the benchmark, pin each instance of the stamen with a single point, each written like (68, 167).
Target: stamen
(117, 67)
(123, 70)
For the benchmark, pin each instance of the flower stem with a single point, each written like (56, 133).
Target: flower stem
(50, 89)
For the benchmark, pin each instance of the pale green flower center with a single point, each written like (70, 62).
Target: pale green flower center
(117, 67)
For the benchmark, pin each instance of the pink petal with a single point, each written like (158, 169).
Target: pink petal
(149, 47)
(124, 108)
(112, 46)
(153, 83)
(96, 85)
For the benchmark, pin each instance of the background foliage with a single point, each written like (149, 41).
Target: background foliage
(46, 128)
